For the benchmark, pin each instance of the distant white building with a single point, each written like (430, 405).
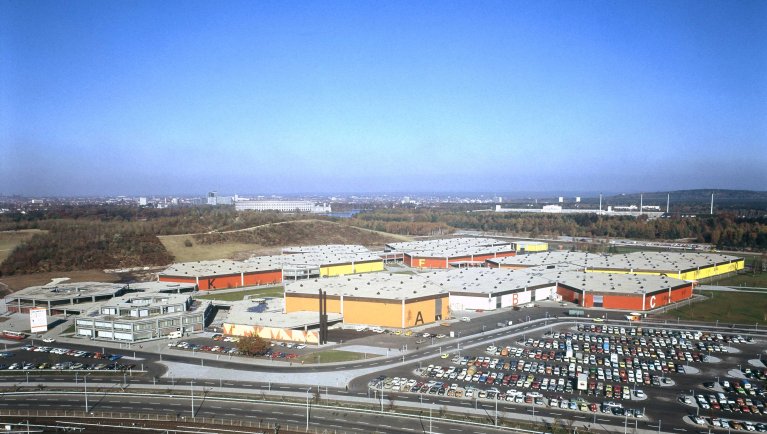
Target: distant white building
(282, 206)
(552, 208)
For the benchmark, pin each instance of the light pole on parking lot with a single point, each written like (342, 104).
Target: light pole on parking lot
(307, 408)
(191, 389)
(85, 379)
(625, 421)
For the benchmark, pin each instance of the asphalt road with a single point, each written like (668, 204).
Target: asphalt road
(473, 335)
(288, 416)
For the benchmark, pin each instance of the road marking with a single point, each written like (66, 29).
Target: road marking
(580, 417)
(679, 429)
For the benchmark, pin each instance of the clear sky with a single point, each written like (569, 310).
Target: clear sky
(182, 97)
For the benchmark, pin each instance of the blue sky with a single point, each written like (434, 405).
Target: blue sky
(146, 97)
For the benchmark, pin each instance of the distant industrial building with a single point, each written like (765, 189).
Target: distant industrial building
(490, 289)
(267, 318)
(620, 291)
(680, 265)
(451, 252)
(376, 299)
(282, 206)
(224, 273)
(297, 263)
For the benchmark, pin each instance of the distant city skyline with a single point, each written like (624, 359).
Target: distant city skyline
(139, 98)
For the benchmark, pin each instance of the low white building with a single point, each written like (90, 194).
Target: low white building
(282, 206)
(492, 288)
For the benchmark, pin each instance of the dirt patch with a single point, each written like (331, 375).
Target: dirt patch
(10, 239)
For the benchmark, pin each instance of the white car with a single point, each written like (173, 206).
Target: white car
(640, 394)
(48, 340)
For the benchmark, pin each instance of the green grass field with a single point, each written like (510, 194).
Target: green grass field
(758, 280)
(272, 291)
(10, 239)
(727, 307)
(331, 356)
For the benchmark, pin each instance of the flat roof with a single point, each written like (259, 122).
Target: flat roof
(486, 280)
(164, 287)
(458, 243)
(222, 267)
(129, 300)
(93, 310)
(669, 262)
(450, 252)
(327, 249)
(616, 283)
(546, 258)
(319, 259)
(659, 261)
(65, 291)
(383, 286)
(248, 312)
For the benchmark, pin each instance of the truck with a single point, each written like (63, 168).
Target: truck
(583, 380)
(576, 312)
(175, 335)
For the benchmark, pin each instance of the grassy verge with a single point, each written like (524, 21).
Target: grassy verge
(726, 306)
(331, 356)
(272, 291)
(758, 280)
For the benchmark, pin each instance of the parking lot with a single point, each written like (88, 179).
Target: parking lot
(59, 358)
(595, 368)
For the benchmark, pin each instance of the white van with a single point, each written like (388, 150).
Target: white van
(465, 319)
(174, 335)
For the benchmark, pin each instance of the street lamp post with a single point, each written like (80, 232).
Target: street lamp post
(658, 426)
(85, 379)
(307, 408)
(191, 389)
(625, 421)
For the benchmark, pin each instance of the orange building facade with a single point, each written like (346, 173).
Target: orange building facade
(637, 302)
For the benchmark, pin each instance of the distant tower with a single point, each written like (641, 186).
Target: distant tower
(577, 199)
(641, 197)
(600, 203)
(212, 198)
(561, 199)
(668, 199)
(712, 203)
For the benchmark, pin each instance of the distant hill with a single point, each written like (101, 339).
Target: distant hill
(302, 232)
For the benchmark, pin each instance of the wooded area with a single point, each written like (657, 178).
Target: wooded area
(98, 237)
(724, 230)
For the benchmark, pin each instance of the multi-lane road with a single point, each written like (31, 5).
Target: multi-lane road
(478, 332)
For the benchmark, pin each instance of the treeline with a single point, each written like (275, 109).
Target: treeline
(167, 221)
(298, 233)
(79, 245)
(724, 230)
(98, 237)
